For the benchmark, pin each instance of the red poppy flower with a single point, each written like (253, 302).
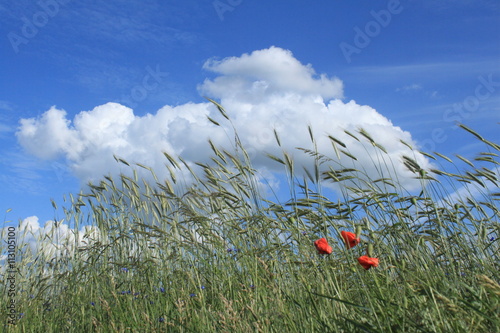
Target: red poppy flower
(322, 246)
(350, 239)
(368, 262)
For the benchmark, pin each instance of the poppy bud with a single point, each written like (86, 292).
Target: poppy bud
(482, 233)
(358, 230)
(369, 250)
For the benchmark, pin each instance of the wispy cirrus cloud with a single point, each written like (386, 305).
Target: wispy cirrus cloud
(7, 118)
(447, 4)
(431, 71)
(410, 87)
(22, 173)
(106, 46)
(415, 88)
(137, 22)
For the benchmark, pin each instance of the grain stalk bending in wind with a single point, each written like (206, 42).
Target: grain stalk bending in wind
(211, 253)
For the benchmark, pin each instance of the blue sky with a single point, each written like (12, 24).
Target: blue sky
(404, 69)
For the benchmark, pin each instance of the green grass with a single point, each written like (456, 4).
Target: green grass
(216, 256)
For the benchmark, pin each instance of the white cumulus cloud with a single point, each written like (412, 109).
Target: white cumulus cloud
(261, 91)
(52, 240)
(271, 70)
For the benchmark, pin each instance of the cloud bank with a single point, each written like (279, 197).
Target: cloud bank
(43, 243)
(261, 91)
